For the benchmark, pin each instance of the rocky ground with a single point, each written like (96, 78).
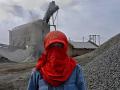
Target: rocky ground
(15, 76)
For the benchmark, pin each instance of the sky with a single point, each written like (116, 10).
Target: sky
(76, 18)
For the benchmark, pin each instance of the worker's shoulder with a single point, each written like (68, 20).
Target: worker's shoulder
(35, 72)
(78, 66)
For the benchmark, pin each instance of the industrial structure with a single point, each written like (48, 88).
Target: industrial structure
(26, 41)
(29, 35)
(80, 48)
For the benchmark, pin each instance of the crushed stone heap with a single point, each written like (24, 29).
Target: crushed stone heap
(84, 59)
(103, 72)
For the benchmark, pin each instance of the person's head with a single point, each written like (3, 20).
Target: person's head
(54, 64)
(56, 39)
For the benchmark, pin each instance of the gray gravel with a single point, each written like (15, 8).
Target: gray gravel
(4, 60)
(84, 59)
(103, 72)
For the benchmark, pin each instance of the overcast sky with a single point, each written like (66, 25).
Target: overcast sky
(76, 18)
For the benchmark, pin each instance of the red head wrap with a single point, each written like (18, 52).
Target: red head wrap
(54, 64)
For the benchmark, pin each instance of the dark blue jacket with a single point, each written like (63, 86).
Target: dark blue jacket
(75, 82)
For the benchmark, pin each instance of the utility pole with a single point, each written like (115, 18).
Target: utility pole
(95, 39)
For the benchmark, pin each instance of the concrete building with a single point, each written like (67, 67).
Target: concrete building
(29, 35)
(80, 48)
(25, 41)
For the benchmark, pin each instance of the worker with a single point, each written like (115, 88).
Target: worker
(55, 70)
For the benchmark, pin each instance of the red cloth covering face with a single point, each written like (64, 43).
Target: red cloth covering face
(55, 65)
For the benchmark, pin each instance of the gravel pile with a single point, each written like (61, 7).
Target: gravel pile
(103, 72)
(4, 60)
(84, 59)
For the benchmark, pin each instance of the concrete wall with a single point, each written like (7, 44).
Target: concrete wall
(29, 35)
(78, 52)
